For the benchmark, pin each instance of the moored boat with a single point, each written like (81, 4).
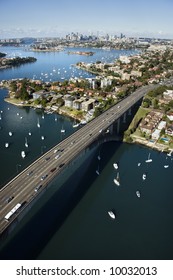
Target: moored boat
(111, 213)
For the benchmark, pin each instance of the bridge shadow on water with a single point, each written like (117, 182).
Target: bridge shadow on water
(30, 237)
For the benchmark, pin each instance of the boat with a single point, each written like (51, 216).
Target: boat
(144, 176)
(115, 165)
(10, 133)
(166, 166)
(75, 124)
(149, 159)
(99, 157)
(56, 118)
(169, 154)
(117, 180)
(139, 163)
(42, 137)
(111, 213)
(42, 116)
(38, 123)
(6, 145)
(26, 143)
(29, 133)
(97, 171)
(23, 154)
(62, 130)
(138, 194)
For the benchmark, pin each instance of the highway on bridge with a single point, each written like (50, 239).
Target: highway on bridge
(23, 188)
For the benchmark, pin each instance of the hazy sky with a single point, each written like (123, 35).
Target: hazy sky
(152, 18)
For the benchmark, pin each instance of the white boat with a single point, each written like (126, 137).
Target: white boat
(42, 137)
(10, 133)
(56, 118)
(97, 171)
(166, 166)
(26, 143)
(38, 123)
(144, 176)
(42, 116)
(115, 165)
(169, 154)
(75, 124)
(62, 130)
(139, 163)
(117, 180)
(23, 154)
(149, 159)
(138, 194)
(29, 133)
(6, 145)
(111, 214)
(99, 157)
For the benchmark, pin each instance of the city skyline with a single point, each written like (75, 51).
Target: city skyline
(56, 18)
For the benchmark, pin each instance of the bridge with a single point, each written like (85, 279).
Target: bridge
(25, 188)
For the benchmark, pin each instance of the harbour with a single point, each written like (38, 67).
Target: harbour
(85, 224)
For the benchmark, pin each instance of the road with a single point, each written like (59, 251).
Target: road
(26, 185)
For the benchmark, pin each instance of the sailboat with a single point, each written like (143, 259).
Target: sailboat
(75, 124)
(99, 157)
(138, 194)
(117, 180)
(38, 123)
(23, 154)
(62, 130)
(26, 143)
(149, 159)
(112, 214)
(115, 165)
(97, 171)
(169, 154)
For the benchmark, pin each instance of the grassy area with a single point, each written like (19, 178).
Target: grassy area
(141, 113)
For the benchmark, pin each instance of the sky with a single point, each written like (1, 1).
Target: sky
(54, 18)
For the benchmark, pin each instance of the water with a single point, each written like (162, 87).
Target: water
(71, 222)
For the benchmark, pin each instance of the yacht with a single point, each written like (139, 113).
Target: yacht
(112, 214)
(144, 176)
(117, 180)
(115, 165)
(62, 130)
(97, 171)
(138, 194)
(26, 143)
(23, 154)
(38, 123)
(149, 159)
(6, 145)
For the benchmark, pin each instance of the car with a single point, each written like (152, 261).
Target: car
(55, 151)
(61, 165)
(57, 156)
(29, 173)
(43, 177)
(10, 198)
(38, 188)
(46, 159)
(53, 169)
(118, 106)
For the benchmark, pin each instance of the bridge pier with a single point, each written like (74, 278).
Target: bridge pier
(130, 111)
(118, 126)
(124, 117)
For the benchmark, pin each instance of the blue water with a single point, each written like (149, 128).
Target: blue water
(71, 222)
